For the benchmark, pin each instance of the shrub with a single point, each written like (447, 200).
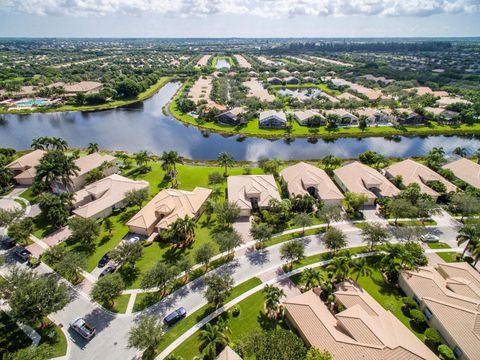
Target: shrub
(445, 353)
(417, 316)
(408, 304)
(236, 311)
(215, 178)
(468, 259)
(432, 337)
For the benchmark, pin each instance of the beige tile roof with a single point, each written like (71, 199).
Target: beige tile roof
(228, 354)
(243, 187)
(452, 293)
(301, 176)
(445, 101)
(360, 178)
(203, 60)
(242, 62)
(26, 161)
(256, 89)
(168, 206)
(82, 86)
(104, 194)
(348, 96)
(466, 170)
(92, 161)
(363, 331)
(414, 172)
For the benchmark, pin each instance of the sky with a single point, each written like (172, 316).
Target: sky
(239, 18)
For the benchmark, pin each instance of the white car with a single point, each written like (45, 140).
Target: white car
(85, 330)
(429, 238)
(133, 239)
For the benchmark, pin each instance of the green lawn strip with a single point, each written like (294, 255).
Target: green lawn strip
(438, 245)
(205, 310)
(251, 318)
(327, 256)
(120, 304)
(28, 195)
(12, 338)
(282, 238)
(109, 105)
(449, 257)
(54, 337)
(42, 226)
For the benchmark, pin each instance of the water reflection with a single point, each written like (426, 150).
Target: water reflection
(144, 126)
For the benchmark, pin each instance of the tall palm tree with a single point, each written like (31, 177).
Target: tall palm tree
(189, 226)
(226, 160)
(312, 278)
(92, 148)
(6, 175)
(460, 151)
(213, 337)
(38, 143)
(272, 299)
(330, 161)
(58, 143)
(360, 266)
(468, 234)
(55, 165)
(217, 193)
(142, 158)
(170, 159)
(340, 266)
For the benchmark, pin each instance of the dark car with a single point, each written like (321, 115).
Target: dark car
(8, 243)
(108, 270)
(174, 317)
(103, 261)
(23, 253)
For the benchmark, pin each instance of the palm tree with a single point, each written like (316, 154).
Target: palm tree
(92, 148)
(189, 226)
(360, 266)
(475, 250)
(312, 278)
(460, 151)
(6, 174)
(142, 158)
(330, 161)
(213, 337)
(54, 166)
(226, 160)
(477, 155)
(58, 143)
(217, 193)
(170, 159)
(468, 234)
(340, 266)
(38, 143)
(272, 299)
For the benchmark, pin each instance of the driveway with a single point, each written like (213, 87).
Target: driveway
(9, 204)
(242, 226)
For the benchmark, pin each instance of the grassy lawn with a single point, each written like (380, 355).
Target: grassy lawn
(53, 336)
(12, 337)
(323, 87)
(438, 245)
(198, 315)
(109, 105)
(282, 238)
(401, 223)
(449, 256)
(120, 304)
(326, 256)
(27, 194)
(252, 318)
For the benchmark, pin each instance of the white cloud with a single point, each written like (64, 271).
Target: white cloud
(264, 8)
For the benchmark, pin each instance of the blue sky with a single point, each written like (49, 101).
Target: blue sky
(239, 18)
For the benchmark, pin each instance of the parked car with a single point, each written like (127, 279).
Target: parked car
(175, 316)
(8, 243)
(83, 328)
(108, 270)
(103, 261)
(429, 238)
(134, 239)
(23, 253)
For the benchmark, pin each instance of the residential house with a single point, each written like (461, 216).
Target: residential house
(406, 116)
(345, 118)
(232, 116)
(228, 354)
(23, 168)
(272, 119)
(449, 296)
(101, 198)
(275, 81)
(362, 179)
(85, 165)
(451, 100)
(303, 178)
(364, 330)
(292, 80)
(466, 170)
(252, 192)
(374, 117)
(166, 207)
(85, 87)
(413, 172)
(348, 96)
(308, 117)
(443, 115)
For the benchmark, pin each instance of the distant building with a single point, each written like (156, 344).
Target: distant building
(231, 117)
(406, 116)
(275, 81)
(252, 192)
(443, 115)
(272, 119)
(292, 80)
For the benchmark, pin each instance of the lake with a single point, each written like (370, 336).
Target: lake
(144, 126)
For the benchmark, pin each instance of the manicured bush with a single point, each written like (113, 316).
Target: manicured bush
(445, 353)
(408, 304)
(468, 259)
(417, 316)
(432, 337)
(236, 311)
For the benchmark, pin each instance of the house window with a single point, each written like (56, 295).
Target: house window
(457, 351)
(427, 312)
(417, 300)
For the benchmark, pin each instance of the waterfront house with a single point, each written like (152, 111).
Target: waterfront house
(466, 170)
(232, 116)
(23, 168)
(308, 117)
(275, 81)
(272, 119)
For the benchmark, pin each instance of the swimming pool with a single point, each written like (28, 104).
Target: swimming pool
(32, 102)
